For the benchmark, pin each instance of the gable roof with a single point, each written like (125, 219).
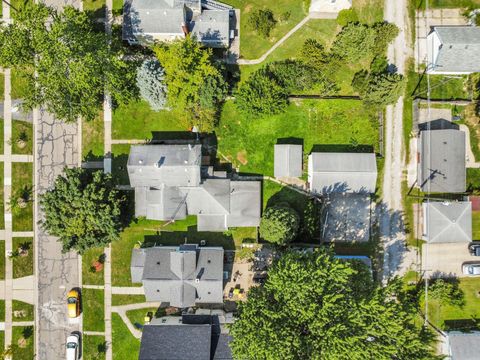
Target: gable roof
(212, 27)
(463, 346)
(446, 222)
(288, 160)
(342, 172)
(458, 49)
(442, 165)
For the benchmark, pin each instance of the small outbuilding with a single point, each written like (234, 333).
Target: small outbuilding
(288, 160)
(463, 345)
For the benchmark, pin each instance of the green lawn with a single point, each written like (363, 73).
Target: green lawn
(1, 133)
(27, 309)
(19, 83)
(89, 275)
(337, 124)
(22, 178)
(23, 265)
(2, 260)
(117, 7)
(2, 310)
(92, 138)
(118, 299)
(476, 225)
(22, 137)
(24, 337)
(412, 80)
(253, 45)
(94, 347)
(124, 345)
(2, 84)
(369, 11)
(2, 203)
(438, 4)
(442, 87)
(137, 316)
(2, 339)
(93, 310)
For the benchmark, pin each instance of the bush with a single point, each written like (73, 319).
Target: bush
(347, 16)
(447, 291)
(355, 42)
(279, 225)
(262, 21)
(151, 84)
(292, 75)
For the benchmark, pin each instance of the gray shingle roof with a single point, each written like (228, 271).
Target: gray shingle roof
(464, 346)
(441, 165)
(288, 160)
(180, 277)
(212, 27)
(342, 172)
(447, 222)
(458, 49)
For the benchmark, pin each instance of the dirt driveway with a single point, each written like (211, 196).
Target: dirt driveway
(446, 259)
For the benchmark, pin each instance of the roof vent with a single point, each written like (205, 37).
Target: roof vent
(209, 261)
(140, 161)
(158, 262)
(197, 280)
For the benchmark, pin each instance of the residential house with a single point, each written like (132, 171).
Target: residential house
(170, 183)
(146, 21)
(463, 345)
(193, 337)
(182, 276)
(288, 160)
(441, 161)
(447, 222)
(453, 50)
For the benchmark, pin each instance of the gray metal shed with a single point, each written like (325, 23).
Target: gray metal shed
(288, 160)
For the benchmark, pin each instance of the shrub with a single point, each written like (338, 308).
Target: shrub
(151, 84)
(279, 224)
(447, 291)
(347, 16)
(355, 42)
(292, 75)
(262, 21)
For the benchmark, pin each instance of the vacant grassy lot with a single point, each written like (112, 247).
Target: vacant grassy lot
(118, 299)
(124, 345)
(93, 310)
(94, 347)
(335, 124)
(89, 275)
(22, 137)
(25, 311)
(23, 264)
(22, 181)
(24, 337)
(92, 138)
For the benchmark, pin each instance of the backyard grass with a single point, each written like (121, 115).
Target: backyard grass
(94, 347)
(93, 310)
(89, 275)
(2, 260)
(2, 203)
(118, 299)
(92, 138)
(476, 225)
(124, 345)
(137, 316)
(25, 311)
(23, 336)
(23, 265)
(22, 137)
(327, 125)
(2, 310)
(253, 45)
(22, 180)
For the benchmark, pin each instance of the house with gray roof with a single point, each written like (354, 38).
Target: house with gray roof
(463, 345)
(288, 160)
(447, 222)
(441, 161)
(147, 21)
(333, 172)
(169, 185)
(193, 337)
(182, 276)
(453, 50)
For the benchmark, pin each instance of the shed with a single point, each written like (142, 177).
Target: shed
(288, 160)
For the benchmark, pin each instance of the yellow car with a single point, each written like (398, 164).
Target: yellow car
(73, 303)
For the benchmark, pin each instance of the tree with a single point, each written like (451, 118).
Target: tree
(347, 16)
(260, 94)
(313, 53)
(82, 209)
(314, 306)
(384, 89)
(293, 75)
(262, 21)
(151, 84)
(279, 224)
(447, 291)
(67, 65)
(355, 42)
(385, 33)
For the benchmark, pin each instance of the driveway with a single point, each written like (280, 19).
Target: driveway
(445, 259)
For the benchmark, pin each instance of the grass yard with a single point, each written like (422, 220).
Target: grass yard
(118, 299)
(23, 265)
(92, 138)
(334, 124)
(412, 79)
(124, 345)
(22, 137)
(369, 11)
(442, 87)
(2, 203)
(252, 45)
(23, 336)
(2, 310)
(2, 85)
(2, 260)
(448, 317)
(95, 8)
(1, 134)
(137, 316)
(2, 339)
(93, 310)
(476, 225)
(19, 83)
(445, 4)
(22, 179)
(94, 347)
(89, 275)
(25, 311)
(117, 7)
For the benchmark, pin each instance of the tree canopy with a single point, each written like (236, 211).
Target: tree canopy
(279, 224)
(314, 306)
(151, 84)
(83, 209)
(262, 21)
(68, 64)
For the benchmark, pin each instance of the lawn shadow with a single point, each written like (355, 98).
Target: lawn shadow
(342, 148)
(92, 157)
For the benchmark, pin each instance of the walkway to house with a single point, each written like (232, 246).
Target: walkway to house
(122, 311)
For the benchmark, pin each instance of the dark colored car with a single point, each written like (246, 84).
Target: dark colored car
(474, 249)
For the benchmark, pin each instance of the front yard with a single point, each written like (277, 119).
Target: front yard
(23, 336)
(93, 310)
(94, 347)
(22, 182)
(124, 345)
(23, 263)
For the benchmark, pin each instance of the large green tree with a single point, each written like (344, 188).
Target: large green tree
(67, 64)
(314, 306)
(83, 209)
(279, 224)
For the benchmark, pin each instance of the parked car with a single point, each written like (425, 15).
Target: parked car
(73, 303)
(73, 342)
(474, 249)
(471, 269)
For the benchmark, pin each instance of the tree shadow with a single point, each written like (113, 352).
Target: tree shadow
(91, 157)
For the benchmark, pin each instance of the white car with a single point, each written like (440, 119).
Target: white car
(471, 269)
(73, 342)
